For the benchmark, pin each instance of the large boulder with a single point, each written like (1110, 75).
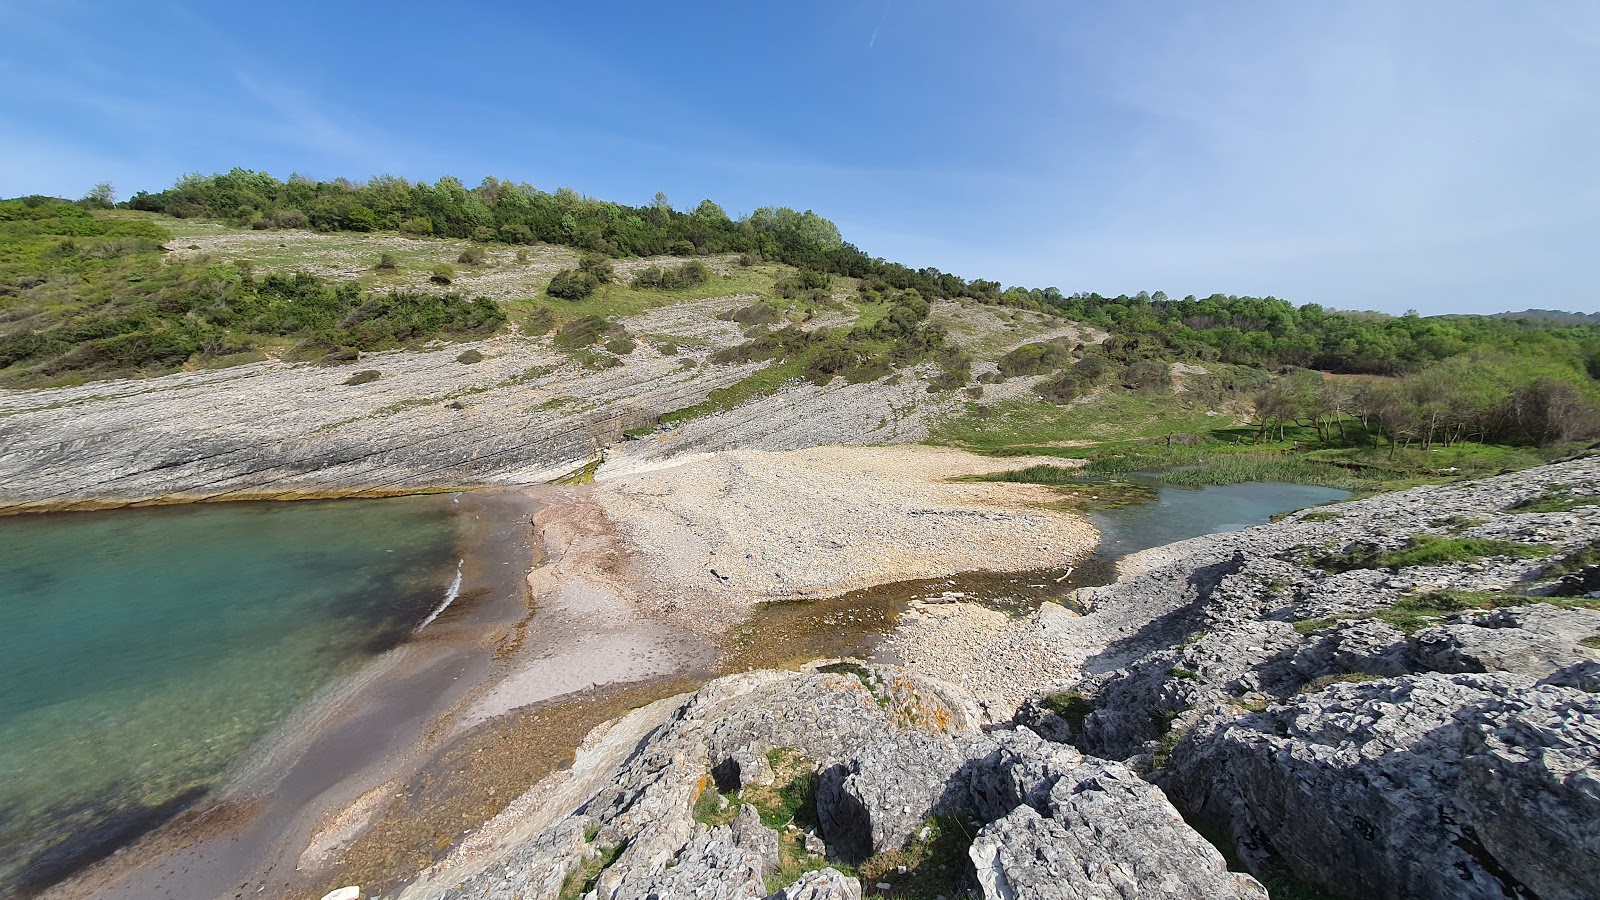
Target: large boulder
(1020, 770)
(1429, 786)
(876, 800)
(1106, 835)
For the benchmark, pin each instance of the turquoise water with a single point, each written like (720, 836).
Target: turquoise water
(1179, 513)
(144, 651)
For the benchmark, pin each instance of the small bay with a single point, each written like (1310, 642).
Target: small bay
(145, 651)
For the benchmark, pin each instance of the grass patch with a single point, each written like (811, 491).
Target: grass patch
(1168, 743)
(1559, 498)
(1425, 550)
(366, 377)
(711, 808)
(1016, 427)
(1071, 706)
(1180, 672)
(1327, 681)
(935, 861)
(1592, 643)
(1575, 561)
(617, 300)
(787, 806)
(583, 879)
(761, 383)
(1077, 490)
(584, 474)
(1418, 611)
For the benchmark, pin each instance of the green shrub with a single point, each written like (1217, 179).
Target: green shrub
(473, 256)
(1035, 359)
(469, 357)
(1146, 375)
(1063, 388)
(597, 266)
(540, 321)
(569, 284)
(363, 377)
(386, 263)
(419, 226)
(690, 274)
(443, 273)
(587, 331)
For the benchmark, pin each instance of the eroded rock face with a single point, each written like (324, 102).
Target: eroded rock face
(880, 797)
(823, 884)
(722, 863)
(1105, 833)
(1531, 640)
(1433, 786)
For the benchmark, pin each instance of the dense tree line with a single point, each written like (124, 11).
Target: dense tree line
(1267, 332)
(1484, 396)
(1261, 332)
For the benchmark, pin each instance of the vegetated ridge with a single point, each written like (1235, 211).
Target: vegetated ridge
(766, 331)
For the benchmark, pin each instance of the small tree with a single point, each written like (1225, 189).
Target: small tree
(102, 196)
(572, 285)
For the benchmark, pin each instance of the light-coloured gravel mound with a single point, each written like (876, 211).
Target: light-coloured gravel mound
(721, 531)
(999, 660)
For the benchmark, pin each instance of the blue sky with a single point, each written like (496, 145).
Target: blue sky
(1442, 156)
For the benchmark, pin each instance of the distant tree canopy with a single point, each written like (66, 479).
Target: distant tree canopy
(1486, 396)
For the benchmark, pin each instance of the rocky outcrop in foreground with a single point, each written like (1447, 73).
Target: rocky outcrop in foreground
(843, 773)
(1389, 698)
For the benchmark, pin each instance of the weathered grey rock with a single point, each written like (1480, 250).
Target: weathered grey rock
(822, 884)
(1375, 789)
(714, 866)
(879, 798)
(1022, 769)
(1531, 640)
(1139, 704)
(1365, 646)
(645, 803)
(1585, 676)
(750, 834)
(1531, 789)
(1109, 834)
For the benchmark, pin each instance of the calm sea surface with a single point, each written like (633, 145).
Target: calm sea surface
(143, 651)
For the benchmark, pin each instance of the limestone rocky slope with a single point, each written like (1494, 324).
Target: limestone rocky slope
(1374, 730)
(1316, 716)
(525, 413)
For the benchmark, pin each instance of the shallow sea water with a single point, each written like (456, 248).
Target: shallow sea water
(144, 651)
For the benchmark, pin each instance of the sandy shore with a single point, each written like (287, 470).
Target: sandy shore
(579, 604)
